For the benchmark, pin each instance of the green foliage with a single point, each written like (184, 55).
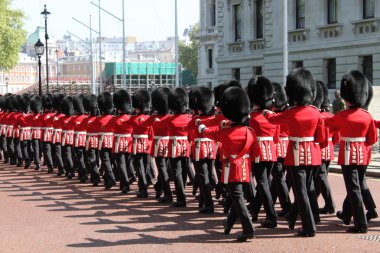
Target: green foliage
(12, 34)
(188, 54)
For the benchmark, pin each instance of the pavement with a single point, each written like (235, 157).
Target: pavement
(41, 212)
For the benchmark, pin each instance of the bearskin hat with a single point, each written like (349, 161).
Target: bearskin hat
(122, 101)
(105, 103)
(204, 99)
(90, 104)
(354, 88)
(2, 102)
(326, 100)
(17, 102)
(78, 104)
(260, 92)
(47, 101)
(370, 96)
(318, 95)
(160, 100)
(300, 87)
(9, 103)
(178, 100)
(141, 100)
(67, 106)
(279, 97)
(57, 101)
(36, 104)
(235, 105)
(192, 93)
(218, 90)
(25, 103)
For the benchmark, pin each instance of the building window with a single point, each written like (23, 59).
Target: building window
(368, 9)
(210, 58)
(331, 73)
(237, 22)
(367, 65)
(212, 12)
(297, 64)
(236, 74)
(300, 14)
(257, 71)
(259, 18)
(332, 11)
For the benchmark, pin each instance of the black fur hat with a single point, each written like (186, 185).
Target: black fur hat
(300, 87)
(217, 93)
(67, 106)
(160, 100)
(260, 92)
(318, 95)
(47, 101)
(2, 102)
(17, 102)
(9, 103)
(122, 101)
(235, 105)
(218, 90)
(105, 103)
(141, 100)
(192, 93)
(25, 103)
(178, 100)
(326, 100)
(90, 104)
(57, 101)
(36, 104)
(78, 104)
(370, 96)
(354, 88)
(204, 99)
(280, 99)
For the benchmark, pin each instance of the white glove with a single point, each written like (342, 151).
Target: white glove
(201, 128)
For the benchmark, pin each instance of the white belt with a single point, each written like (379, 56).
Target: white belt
(78, 133)
(284, 138)
(140, 136)
(198, 146)
(108, 133)
(227, 168)
(92, 134)
(123, 135)
(36, 128)
(118, 136)
(174, 144)
(67, 131)
(158, 138)
(244, 156)
(264, 138)
(25, 128)
(161, 137)
(202, 139)
(297, 140)
(178, 137)
(330, 139)
(353, 139)
(301, 139)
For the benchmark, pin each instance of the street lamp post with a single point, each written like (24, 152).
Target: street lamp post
(39, 48)
(56, 51)
(46, 14)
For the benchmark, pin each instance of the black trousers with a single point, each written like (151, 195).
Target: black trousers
(80, 154)
(48, 154)
(11, 150)
(322, 185)
(179, 171)
(140, 163)
(163, 175)
(36, 151)
(204, 169)
(92, 162)
(239, 209)
(279, 185)
(58, 156)
(25, 148)
(302, 178)
(122, 161)
(357, 193)
(262, 173)
(68, 159)
(105, 156)
(4, 148)
(18, 151)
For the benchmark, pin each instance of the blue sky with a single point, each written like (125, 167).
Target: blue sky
(145, 19)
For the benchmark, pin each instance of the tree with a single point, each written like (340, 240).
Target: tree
(188, 54)
(12, 34)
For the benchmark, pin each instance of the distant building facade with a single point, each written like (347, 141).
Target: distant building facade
(243, 38)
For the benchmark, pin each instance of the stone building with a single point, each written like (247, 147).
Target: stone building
(243, 38)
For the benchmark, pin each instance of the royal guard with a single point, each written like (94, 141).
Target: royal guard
(141, 144)
(357, 134)
(68, 124)
(327, 154)
(239, 146)
(306, 128)
(203, 149)
(279, 185)
(105, 129)
(24, 125)
(36, 124)
(8, 130)
(57, 134)
(80, 133)
(47, 130)
(260, 93)
(16, 131)
(3, 140)
(122, 147)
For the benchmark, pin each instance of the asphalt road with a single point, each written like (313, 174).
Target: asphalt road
(40, 212)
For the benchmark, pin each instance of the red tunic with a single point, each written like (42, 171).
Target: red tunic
(57, 128)
(15, 122)
(327, 152)
(25, 126)
(239, 145)
(68, 128)
(37, 124)
(283, 140)
(140, 134)
(123, 134)
(179, 145)
(80, 130)
(267, 136)
(92, 139)
(358, 132)
(306, 127)
(107, 127)
(8, 121)
(159, 136)
(48, 128)
(3, 125)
